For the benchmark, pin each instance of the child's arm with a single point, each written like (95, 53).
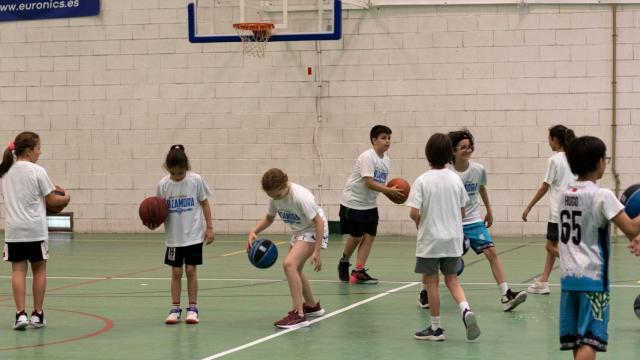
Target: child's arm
(392, 192)
(539, 194)
(414, 214)
(630, 227)
(488, 218)
(262, 224)
(634, 246)
(315, 257)
(206, 210)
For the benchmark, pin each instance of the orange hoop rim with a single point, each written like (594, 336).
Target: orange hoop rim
(254, 26)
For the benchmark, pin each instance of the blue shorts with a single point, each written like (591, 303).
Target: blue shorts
(478, 235)
(584, 318)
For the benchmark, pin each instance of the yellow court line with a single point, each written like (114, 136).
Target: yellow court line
(245, 251)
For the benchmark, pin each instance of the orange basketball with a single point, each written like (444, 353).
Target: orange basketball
(402, 184)
(58, 208)
(153, 210)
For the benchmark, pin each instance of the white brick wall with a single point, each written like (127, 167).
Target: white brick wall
(109, 94)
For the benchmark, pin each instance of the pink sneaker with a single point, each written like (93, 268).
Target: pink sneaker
(292, 321)
(313, 311)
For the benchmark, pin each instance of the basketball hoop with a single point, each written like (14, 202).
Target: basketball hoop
(254, 37)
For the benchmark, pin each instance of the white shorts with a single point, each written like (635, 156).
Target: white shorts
(311, 238)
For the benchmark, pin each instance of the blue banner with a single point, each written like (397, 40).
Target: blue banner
(13, 10)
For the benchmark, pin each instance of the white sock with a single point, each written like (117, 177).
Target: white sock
(463, 306)
(424, 286)
(435, 322)
(503, 287)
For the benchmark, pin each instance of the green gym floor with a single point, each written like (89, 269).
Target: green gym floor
(108, 295)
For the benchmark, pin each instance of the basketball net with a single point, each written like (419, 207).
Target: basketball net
(254, 37)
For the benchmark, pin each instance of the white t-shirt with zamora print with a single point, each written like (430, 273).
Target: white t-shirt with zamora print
(297, 209)
(356, 195)
(185, 225)
(472, 178)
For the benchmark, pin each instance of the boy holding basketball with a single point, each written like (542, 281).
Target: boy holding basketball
(475, 230)
(188, 225)
(27, 190)
(585, 212)
(358, 208)
(297, 207)
(437, 201)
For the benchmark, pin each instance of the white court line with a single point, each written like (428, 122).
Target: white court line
(283, 332)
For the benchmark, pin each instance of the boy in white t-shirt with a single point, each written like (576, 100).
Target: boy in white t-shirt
(188, 225)
(585, 211)
(26, 188)
(297, 207)
(556, 179)
(437, 200)
(358, 208)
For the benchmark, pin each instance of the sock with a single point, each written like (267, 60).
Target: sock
(503, 287)
(192, 304)
(435, 322)
(175, 306)
(344, 258)
(424, 286)
(463, 306)
(359, 266)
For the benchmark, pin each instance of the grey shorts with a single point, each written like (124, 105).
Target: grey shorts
(431, 266)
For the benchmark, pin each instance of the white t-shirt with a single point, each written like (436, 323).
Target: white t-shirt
(24, 187)
(558, 177)
(298, 209)
(356, 195)
(585, 214)
(472, 178)
(185, 224)
(438, 195)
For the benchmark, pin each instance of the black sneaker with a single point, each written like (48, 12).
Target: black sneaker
(361, 277)
(423, 299)
(430, 334)
(471, 324)
(511, 300)
(37, 320)
(343, 269)
(21, 321)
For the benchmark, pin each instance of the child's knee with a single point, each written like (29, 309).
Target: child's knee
(191, 271)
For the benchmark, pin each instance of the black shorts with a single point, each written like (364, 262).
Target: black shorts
(190, 255)
(32, 251)
(552, 232)
(358, 222)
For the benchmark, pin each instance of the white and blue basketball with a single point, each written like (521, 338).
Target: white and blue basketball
(263, 253)
(636, 306)
(630, 198)
(460, 267)
(466, 244)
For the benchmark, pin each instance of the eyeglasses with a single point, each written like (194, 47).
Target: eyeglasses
(464, 148)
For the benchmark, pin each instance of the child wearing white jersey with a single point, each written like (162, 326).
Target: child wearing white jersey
(585, 212)
(26, 188)
(297, 207)
(437, 201)
(358, 208)
(555, 181)
(188, 225)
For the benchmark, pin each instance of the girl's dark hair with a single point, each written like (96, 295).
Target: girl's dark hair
(584, 153)
(563, 134)
(438, 150)
(177, 158)
(457, 136)
(274, 179)
(23, 142)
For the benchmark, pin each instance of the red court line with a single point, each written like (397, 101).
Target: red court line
(108, 324)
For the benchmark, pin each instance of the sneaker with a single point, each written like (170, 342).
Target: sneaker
(343, 270)
(21, 321)
(423, 300)
(471, 324)
(313, 311)
(511, 299)
(174, 316)
(192, 315)
(430, 334)
(361, 277)
(292, 321)
(539, 287)
(37, 320)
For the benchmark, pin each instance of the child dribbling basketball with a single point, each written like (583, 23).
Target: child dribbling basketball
(188, 225)
(297, 207)
(27, 189)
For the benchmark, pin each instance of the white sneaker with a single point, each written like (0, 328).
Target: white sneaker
(539, 288)
(192, 315)
(174, 316)
(21, 321)
(37, 320)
